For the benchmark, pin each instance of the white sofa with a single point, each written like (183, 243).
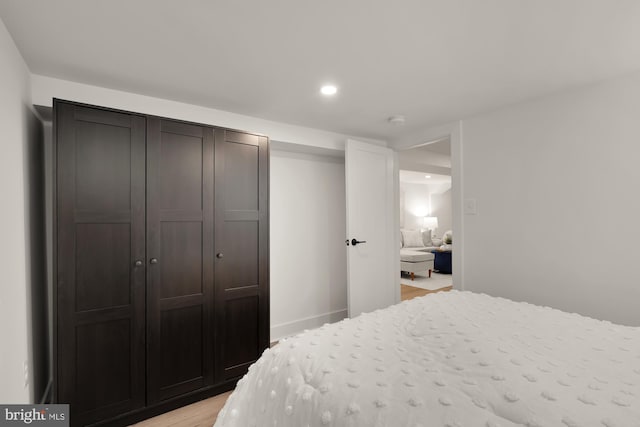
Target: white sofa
(416, 261)
(416, 256)
(415, 252)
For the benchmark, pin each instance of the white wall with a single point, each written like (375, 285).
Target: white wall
(421, 200)
(557, 183)
(308, 229)
(17, 131)
(441, 207)
(417, 204)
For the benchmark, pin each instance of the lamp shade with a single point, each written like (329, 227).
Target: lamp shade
(430, 222)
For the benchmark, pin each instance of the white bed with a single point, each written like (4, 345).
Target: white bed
(447, 359)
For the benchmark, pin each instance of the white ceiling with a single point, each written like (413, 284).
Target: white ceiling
(429, 159)
(432, 61)
(441, 146)
(412, 177)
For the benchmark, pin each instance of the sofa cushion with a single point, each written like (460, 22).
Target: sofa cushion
(407, 255)
(412, 238)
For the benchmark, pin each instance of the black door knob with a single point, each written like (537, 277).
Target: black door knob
(355, 242)
(153, 261)
(138, 263)
(219, 255)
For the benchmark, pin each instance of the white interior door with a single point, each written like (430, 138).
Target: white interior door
(372, 267)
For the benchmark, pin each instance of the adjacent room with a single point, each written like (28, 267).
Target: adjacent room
(426, 219)
(340, 213)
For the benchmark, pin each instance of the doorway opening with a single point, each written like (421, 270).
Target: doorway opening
(426, 218)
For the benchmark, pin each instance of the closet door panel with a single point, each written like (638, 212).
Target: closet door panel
(241, 175)
(103, 266)
(99, 364)
(181, 352)
(181, 166)
(181, 267)
(241, 240)
(180, 256)
(242, 257)
(100, 210)
(103, 170)
(241, 317)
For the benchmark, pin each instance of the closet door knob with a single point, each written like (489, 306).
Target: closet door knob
(153, 261)
(219, 255)
(138, 263)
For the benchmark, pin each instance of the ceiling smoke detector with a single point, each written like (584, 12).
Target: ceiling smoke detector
(396, 120)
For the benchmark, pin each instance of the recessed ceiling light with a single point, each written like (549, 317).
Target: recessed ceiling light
(427, 176)
(328, 90)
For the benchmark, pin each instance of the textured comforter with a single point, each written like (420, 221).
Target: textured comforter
(447, 359)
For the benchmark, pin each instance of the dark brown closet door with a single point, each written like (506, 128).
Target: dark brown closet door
(242, 251)
(100, 289)
(180, 257)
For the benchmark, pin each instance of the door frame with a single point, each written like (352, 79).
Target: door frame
(452, 131)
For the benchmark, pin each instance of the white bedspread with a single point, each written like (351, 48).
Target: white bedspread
(447, 359)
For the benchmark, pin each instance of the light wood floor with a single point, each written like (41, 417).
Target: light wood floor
(199, 414)
(204, 413)
(408, 292)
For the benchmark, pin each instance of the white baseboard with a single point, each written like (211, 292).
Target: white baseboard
(287, 329)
